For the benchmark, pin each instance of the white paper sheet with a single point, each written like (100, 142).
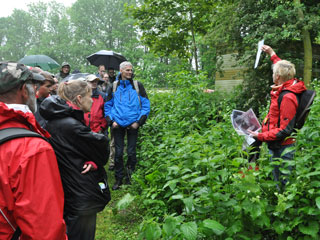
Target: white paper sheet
(244, 121)
(260, 44)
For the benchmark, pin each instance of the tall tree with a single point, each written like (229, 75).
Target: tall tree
(102, 24)
(15, 35)
(307, 46)
(276, 21)
(55, 36)
(171, 27)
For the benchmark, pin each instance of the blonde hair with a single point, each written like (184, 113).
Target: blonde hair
(70, 90)
(284, 69)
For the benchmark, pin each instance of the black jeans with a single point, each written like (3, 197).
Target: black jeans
(81, 227)
(132, 136)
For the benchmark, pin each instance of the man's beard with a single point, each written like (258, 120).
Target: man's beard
(32, 101)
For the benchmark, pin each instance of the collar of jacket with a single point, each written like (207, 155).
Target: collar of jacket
(10, 113)
(76, 112)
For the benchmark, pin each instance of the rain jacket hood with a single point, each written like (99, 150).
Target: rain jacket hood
(54, 107)
(20, 119)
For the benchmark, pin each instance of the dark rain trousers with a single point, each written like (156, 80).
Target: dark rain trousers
(132, 136)
(81, 227)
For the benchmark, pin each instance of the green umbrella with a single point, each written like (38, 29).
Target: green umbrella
(44, 62)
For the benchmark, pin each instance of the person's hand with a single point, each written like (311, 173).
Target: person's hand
(134, 125)
(115, 125)
(253, 134)
(87, 168)
(268, 50)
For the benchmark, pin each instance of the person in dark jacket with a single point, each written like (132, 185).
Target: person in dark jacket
(112, 74)
(64, 71)
(81, 156)
(279, 123)
(42, 93)
(126, 110)
(101, 71)
(106, 83)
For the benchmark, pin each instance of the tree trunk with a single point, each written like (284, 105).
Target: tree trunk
(307, 46)
(195, 54)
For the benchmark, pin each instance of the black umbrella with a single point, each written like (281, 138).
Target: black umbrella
(75, 76)
(109, 59)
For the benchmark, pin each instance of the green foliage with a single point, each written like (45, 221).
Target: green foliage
(125, 201)
(166, 25)
(275, 21)
(194, 180)
(13, 46)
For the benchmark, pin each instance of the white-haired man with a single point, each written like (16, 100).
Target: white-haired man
(126, 109)
(279, 124)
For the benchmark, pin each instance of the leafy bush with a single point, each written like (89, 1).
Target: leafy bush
(194, 180)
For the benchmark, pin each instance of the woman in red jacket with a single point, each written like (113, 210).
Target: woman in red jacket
(279, 122)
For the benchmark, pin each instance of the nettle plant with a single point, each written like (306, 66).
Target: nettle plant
(194, 180)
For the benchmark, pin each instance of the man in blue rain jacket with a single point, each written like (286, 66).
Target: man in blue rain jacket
(126, 109)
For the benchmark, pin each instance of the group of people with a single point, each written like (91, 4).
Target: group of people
(53, 185)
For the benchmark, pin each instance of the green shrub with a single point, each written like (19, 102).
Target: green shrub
(194, 180)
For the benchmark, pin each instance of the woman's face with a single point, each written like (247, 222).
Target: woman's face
(94, 84)
(85, 102)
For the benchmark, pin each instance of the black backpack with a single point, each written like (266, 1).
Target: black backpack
(305, 100)
(6, 135)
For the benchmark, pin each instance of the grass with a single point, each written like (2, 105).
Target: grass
(118, 225)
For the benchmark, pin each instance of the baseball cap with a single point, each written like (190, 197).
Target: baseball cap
(91, 78)
(64, 64)
(12, 74)
(47, 76)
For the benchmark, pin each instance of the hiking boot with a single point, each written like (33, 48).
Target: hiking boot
(128, 177)
(127, 181)
(117, 185)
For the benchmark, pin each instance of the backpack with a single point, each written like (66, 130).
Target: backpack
(6, 135)
(305, 100)
(135, 85)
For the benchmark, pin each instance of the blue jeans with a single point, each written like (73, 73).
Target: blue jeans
(287, 156)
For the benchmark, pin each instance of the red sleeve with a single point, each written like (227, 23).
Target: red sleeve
(288, 110)
(38, 208)
(95, 167)
(274, 58)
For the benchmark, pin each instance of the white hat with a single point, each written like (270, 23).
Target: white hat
(91, 78)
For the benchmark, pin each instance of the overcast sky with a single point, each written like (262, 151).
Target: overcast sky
(7, 6)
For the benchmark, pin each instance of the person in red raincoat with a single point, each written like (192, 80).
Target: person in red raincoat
(278, 125)
(31, 193)
(95, 118)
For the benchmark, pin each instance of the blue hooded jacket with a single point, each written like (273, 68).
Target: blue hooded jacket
(123, 106)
